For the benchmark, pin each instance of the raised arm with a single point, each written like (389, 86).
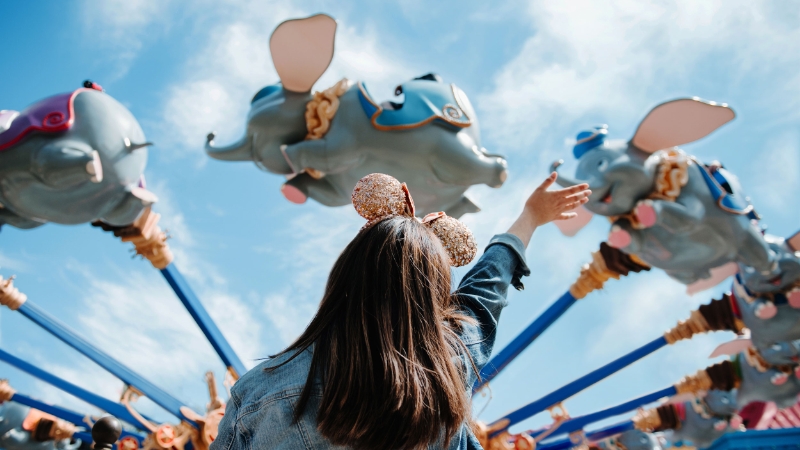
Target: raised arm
(484, 288)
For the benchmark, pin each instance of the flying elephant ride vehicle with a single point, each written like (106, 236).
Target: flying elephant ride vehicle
(326, 141)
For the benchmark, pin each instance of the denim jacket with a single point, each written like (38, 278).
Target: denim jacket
(259, 414)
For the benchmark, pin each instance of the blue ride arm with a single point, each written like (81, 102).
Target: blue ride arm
(582, 383)
(580, 422)
(524, 339)
(106, 405)
(204, 321)
(74, 340)
(602, 433)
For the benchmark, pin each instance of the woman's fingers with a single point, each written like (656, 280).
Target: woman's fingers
(574, 189)
(577, 196)
(567, 216)
(573, 205)
(548, 181)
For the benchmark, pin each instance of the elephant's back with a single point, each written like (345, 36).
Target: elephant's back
(784, 326)
(700, 249)
(407, 155)
(393, 145)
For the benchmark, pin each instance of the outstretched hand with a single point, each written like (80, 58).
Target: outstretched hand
(545, 206)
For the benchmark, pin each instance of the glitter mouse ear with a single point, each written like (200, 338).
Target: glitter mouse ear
(377, 196)
(458, 241)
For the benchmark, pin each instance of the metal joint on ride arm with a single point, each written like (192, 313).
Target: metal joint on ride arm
(6, 391)
(607, 263)
(647, 420)
(146, 236)
(10, 296)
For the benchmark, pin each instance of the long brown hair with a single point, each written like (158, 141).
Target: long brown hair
(387, 350)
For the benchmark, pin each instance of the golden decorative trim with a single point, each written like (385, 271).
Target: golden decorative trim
(147, 238)
(231, 373)
(559, 415)
(685, 329)
(482, 432)
(647, 420)
(6, 391)
(10, 296)
(671, 174)
(692, 384)
(754, 359)
(592, 277)
(322, 107)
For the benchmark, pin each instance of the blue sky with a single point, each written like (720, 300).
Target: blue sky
(537, 72)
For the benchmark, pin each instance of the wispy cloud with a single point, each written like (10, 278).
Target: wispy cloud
(121, 28)
(777, 172)
(587, 58)
(12, 264)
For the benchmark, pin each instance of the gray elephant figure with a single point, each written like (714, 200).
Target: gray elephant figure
(629, 440)
(706, 418)
(760, 381)
(14, 436)
(72, 158)
(770, 305)
(667, 208)
(325, 142)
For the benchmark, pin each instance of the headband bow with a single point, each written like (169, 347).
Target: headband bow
(378, 196)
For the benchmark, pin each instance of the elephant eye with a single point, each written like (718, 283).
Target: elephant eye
(602, 165)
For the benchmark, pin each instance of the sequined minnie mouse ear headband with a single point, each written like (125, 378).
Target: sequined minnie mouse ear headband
(377, 197)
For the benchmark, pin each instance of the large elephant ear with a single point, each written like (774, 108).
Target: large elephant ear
(679, 122)
(570, 227)
(733, 347)
(302, 50)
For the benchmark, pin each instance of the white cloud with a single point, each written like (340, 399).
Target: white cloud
(120, 28)
(289, 314)
(8, 263)
(622, 56)
(776, 172)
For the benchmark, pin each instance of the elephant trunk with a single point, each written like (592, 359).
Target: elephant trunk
(241, 150)
(562, 180)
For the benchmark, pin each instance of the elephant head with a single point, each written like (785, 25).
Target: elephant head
(721, 403)
(70, 159)
(759, 381)
(769, 304)
(622, 173)
(786, 276)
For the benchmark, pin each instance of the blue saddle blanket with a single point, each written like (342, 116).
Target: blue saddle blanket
(717, 182)
(425, 101)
